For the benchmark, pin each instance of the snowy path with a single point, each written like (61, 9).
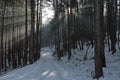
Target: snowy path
(44, 69)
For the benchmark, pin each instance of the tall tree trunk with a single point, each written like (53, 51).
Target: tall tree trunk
(98, 43)
(118, 24)
(26, 32)
(102, 33)
(14, 63)
(2, 34)
(68, 34)
(38, 30)
(32, 30)
(111, 24)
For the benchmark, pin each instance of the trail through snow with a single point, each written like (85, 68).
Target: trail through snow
(48, 68)
(44, 69)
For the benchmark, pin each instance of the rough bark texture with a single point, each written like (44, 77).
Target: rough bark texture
(98, 42)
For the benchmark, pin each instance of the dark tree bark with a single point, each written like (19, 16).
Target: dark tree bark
(98, 35)
(111, 24)
(102, 33)
(14, 62)
(26, 33)
(2, 34)
(32, 30)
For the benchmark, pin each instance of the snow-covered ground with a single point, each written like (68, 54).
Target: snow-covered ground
(44, 69)
(84, 69)
(48, 68)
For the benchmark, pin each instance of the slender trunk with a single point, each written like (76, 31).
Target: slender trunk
(37, 37)
(68, 40)
(119, 27)
(102, 33)
(2, 34)
(111, 24)
(40, 35)
(13, 39)
(32, 30)
(26, 32)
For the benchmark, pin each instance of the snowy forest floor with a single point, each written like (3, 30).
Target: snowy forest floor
(48, 68)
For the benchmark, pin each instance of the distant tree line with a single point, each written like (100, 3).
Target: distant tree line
(20, 33)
